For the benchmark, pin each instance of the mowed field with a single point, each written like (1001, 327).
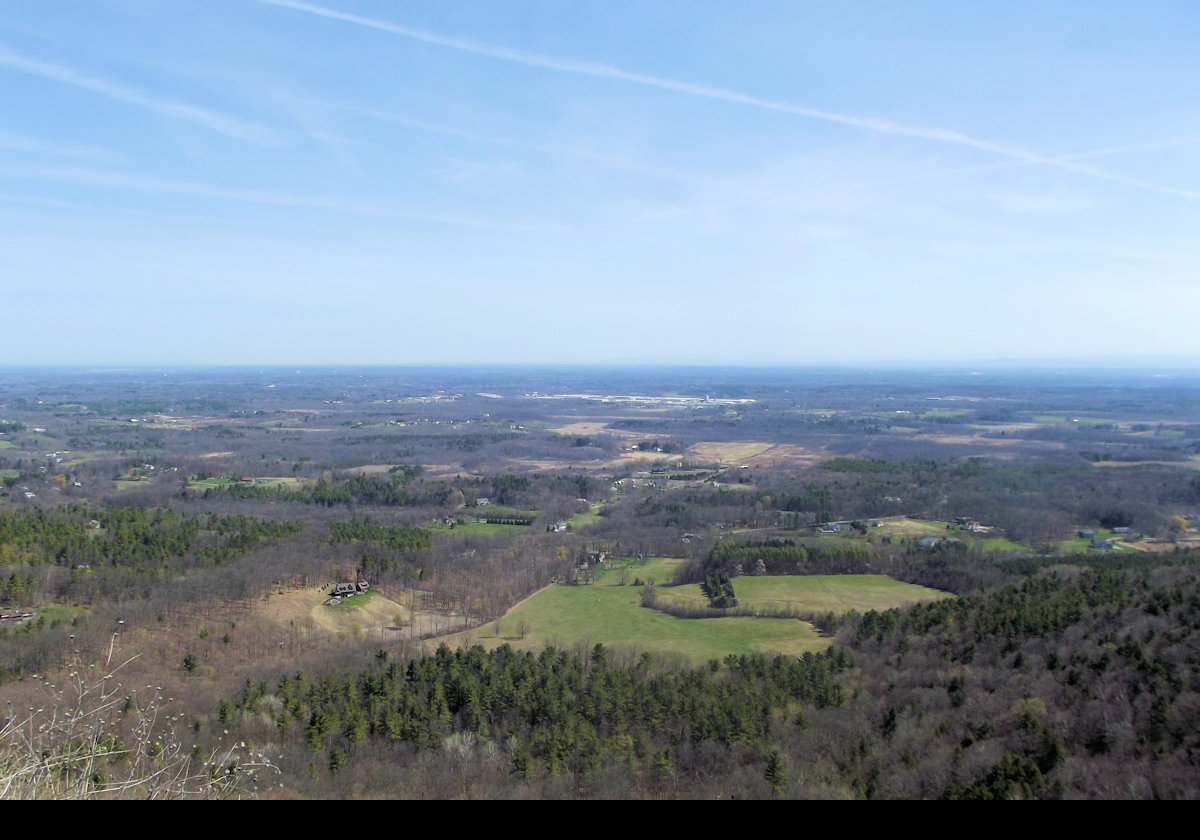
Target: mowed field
(815, 593)
(609, 612)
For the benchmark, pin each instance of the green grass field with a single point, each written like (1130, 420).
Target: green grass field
(1058, 418)
(609, 612)
(1000, 544)
(814, 593)
(10, 474)
(354, 601)
(59, 613)
(579, 520)
(501, 512)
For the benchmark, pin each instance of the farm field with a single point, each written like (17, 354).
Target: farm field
(610, 612)
(569, 615)
(815, 593)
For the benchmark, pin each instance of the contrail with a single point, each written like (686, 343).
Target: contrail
(212, 120)
(164, 186)
(583, 68)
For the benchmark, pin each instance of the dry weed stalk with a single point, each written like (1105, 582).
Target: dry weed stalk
(91, 739)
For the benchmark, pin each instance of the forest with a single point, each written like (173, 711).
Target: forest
(169, 539)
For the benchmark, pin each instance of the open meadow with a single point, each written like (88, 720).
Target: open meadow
(609, 611)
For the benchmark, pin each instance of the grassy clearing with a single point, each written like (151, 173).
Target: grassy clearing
(59, 613)
(814, 593)
(10, 474)
(6, 444)
(908, 529)
(579, 520)
(501, 512)
(1058, 418)
(1000, 544)
(355, 601)
(608, 611)
(569, 615)
(83, 458)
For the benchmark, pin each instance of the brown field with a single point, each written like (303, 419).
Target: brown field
(648, 457)
(1161, 547)
(1191, 463)
(376, 618)
(755, 453)
(903, 528)
(582, 428)
(445, 470)
(1006, 427)
(991, 441)
(597, 425)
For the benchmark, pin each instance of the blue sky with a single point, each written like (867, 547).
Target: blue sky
(234, 181)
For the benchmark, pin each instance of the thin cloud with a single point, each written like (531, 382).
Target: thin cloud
(872, 124)
(1068, 161)
(24, 144)
(212, 120)
(166, 186)
(565, 152)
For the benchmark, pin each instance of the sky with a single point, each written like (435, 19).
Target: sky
(598, 181)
